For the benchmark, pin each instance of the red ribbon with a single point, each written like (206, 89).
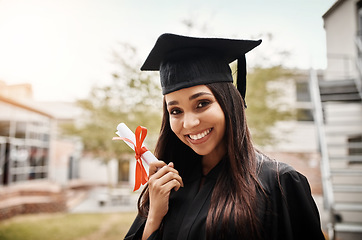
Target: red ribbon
(141, 176)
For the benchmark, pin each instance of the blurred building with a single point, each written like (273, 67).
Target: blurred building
(25, 134)
(338, 116)
(31, 146)
(35, 164)
(22, 91)
(342, 24)
(296, 142)
(38, 164)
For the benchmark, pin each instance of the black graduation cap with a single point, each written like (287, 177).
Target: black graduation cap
(170, 47)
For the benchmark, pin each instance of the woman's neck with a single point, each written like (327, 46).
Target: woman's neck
(211, 160)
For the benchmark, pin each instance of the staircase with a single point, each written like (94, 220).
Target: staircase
(338, 118)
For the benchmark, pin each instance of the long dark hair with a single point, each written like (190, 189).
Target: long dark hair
(233, 201)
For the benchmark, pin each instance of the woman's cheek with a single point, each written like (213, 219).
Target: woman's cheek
(174, 125)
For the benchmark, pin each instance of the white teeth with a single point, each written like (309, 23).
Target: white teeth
(200, 135)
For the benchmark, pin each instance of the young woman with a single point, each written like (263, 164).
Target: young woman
(211, 182)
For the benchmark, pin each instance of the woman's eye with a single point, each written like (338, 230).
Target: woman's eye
(175, 111)
(203, 104)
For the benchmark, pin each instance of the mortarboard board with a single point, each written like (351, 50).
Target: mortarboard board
(169, 47)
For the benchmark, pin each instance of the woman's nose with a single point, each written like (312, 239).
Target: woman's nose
(190, 120)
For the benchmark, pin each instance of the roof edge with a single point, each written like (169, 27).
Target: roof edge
(334, 7)
(23, 106)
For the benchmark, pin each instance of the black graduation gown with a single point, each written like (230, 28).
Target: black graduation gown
(288, 213)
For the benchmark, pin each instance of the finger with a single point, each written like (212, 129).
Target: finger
(171, 165)
(164, 170)
(173, 184)
(154, 166)
(169, 177)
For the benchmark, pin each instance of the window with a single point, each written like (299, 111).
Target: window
(303, 94)
(355, 149)
(304, 115)
(27, 163)
(359, 5)
(303, 111)
(24, 145)
(18, 156)
(123, 171)
(5, 128)
(20, 129)
(2, 161)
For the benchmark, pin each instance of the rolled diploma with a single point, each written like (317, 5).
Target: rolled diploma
(125, 132)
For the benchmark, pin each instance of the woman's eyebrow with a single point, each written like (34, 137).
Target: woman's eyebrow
(196, 95)
(170, 103)
(192, 97)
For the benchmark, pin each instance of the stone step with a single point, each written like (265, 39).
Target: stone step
(348, 188)
(348, 227)
(347, 206)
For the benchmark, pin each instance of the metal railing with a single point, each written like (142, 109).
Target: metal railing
(325, 168)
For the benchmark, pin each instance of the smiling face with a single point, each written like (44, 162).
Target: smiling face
(197, 120)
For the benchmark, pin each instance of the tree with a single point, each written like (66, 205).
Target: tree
(129, 98)
(266, 106)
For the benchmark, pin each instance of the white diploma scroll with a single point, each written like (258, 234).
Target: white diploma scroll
(124, 132)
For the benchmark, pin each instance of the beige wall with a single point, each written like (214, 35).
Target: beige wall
(341, 29)
(16, 91)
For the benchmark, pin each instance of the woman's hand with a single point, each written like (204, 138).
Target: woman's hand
(163, 178)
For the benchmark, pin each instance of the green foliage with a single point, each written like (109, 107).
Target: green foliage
(130, 98)
(267, 86)
(265, 104)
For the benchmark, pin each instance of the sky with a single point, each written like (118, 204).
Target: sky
(64, 47)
